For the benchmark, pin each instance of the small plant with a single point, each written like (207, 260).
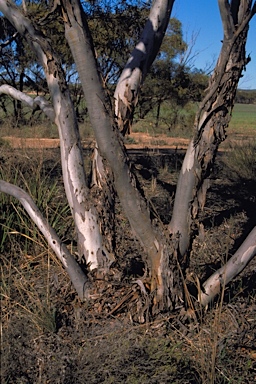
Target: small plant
(129, 140)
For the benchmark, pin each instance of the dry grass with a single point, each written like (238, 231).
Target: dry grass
(48, 335)
(240, 159)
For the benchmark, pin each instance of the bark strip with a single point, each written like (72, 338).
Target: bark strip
(139, 63)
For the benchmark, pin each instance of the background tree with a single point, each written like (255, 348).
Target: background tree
(165, 252)
(170, 78)
(13, 63)
(246, 96)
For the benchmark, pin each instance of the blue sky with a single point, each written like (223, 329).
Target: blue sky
(202, 18)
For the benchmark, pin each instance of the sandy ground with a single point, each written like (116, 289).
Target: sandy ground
(137, 140)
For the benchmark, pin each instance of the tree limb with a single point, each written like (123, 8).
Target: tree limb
(9, 41)
(73, 269)
(235, 265)
(226, 17)
(253, 12)
(38, 102)
(139, 62)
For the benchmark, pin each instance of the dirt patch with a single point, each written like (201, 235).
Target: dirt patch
(20, 142)
(135, 140)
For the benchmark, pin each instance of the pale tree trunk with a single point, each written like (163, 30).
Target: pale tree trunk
(139, 63)
(156, 245)
(90, 244)
(77, 276)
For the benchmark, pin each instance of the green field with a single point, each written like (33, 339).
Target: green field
(173, 121)
(243, 119)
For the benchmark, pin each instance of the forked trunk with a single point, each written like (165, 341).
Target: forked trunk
(159, 251)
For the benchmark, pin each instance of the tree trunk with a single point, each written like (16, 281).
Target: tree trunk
(210, 125)
(157, 247)
(211, 122)
(90, 242)
(137, 67)
(165, 256)
(158, 112)
(21, 85)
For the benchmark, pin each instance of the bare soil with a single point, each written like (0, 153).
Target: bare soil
(136, 140)
(49, 336)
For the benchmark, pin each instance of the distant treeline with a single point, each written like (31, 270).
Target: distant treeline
(246, 96)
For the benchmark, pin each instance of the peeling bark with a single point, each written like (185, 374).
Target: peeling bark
(74, 178)
(211, 122)
(166, 258)
(153, 240)
(137, 67)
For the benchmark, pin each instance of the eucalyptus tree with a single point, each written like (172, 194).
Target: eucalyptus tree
(165, 247)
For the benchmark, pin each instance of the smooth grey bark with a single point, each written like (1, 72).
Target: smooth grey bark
(112, 149)
(235, 265)
(211, 121)
(77, 276)
(107, 137)
(139, 63)
(90, 243)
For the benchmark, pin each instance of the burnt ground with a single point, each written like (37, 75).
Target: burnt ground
(49, 336)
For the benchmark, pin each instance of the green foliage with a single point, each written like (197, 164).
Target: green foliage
(52, 27)
(173, 120)
(115, 31)
(169, 77)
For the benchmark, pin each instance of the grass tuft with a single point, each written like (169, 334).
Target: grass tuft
(240, 159)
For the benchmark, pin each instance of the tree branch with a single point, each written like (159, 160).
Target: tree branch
(38, 102)
(235, 265)
(137, 66)
(226, 17)
(253, 9)
(73, 269)
(9, 41)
